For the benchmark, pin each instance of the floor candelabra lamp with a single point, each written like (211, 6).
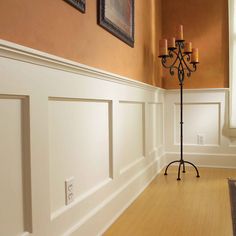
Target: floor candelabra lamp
(180, 56)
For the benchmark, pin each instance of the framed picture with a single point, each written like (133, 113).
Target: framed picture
(78, 4)
(117, 17)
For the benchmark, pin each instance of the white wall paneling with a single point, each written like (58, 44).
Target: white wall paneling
(79, 132)
(15, 204)
(205, 114)
(199, 119)
(232, 63)
(61, 119)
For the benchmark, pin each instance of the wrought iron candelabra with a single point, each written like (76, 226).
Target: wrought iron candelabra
(184, 62)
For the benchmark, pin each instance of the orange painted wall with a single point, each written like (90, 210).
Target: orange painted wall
(206, 25)
(55, 27)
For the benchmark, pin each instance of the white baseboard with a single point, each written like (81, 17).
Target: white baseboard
(213, 160)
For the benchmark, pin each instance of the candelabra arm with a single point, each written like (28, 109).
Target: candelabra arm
(188, 68)
(163, 62)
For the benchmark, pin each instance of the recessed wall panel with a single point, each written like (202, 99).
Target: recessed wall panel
(79, 132)
(12, 215)
(200, 120)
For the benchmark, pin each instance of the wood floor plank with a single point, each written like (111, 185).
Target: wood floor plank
(190, 207)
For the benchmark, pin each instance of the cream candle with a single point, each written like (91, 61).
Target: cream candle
(180, 33)
(195, 55)
(171, 43)
(188, 47)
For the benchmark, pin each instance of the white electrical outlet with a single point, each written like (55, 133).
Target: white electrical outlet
(69, 190)
(201, 139)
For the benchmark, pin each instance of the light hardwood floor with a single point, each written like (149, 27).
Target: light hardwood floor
(190, 207)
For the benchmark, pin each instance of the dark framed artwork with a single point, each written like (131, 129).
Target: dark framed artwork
(117, 17)
(78, 4)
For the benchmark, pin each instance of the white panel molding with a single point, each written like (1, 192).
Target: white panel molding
(114, 138)
(26, 152)
(20, 170)
(90, 104)
(110, 124)
(161, 103)
(38, 108)
(176, 105)
(232, 84)
(211, 92)
(140, 158)
(158, 148)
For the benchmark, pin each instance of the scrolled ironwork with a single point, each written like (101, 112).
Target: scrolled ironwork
(179, 61)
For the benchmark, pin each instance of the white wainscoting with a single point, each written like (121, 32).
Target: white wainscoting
(14, 169)
(205, 114)
(61, 119)
(79, 140)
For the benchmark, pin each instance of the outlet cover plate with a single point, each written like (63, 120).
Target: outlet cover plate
(69, 190)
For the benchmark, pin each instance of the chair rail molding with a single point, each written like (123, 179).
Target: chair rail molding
(30, 55)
